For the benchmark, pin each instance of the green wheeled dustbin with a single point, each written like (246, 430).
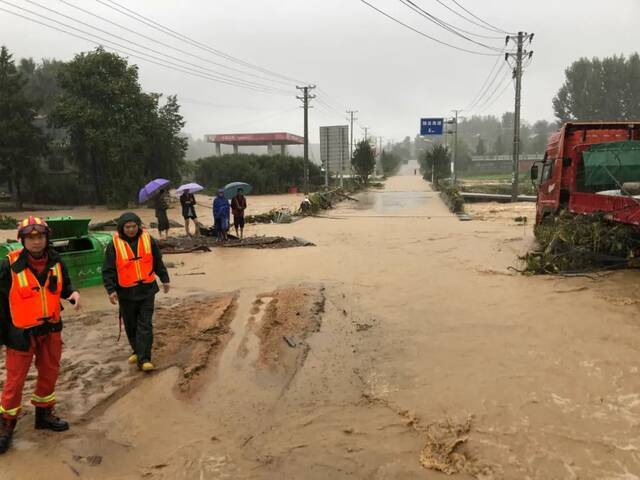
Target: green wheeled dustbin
(82, 252)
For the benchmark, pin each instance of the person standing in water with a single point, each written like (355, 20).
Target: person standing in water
(221, 214)
(238, 206)
(188, 202)
(132, 262)
(161, 205)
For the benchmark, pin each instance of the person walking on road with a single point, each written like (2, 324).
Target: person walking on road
(132, 262)
(221, 214)
(161, 205)
(188, 202)
(238, 206)
(33, 280)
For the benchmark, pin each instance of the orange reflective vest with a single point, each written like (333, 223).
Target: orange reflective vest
(134, 269)
(30, 303)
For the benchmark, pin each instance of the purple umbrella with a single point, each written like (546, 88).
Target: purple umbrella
(151, 188)
(189, 188)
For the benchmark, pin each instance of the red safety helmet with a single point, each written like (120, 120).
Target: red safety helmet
(32, 224)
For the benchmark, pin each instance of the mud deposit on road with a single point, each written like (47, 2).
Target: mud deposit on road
(290, 316)
(94, 370)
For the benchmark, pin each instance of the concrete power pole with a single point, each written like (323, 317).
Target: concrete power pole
(366, 129)
(517, 75)
(455, 147)
(305, 105)
(351, 113)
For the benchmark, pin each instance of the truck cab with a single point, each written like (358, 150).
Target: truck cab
(590, 168)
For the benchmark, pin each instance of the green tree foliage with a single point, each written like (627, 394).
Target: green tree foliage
(364, 161)
(600, 90)
(390, 163)
(481, 148)
(266, 173)
(118, 136)
(42, 86)
(21, 142)
(435, 163)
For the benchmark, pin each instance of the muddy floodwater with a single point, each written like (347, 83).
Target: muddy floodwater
(401, 346)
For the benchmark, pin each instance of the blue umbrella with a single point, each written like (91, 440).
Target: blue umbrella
(230, 189)
(189, 188)
(151, 188)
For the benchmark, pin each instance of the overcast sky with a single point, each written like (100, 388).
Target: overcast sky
(359, 59)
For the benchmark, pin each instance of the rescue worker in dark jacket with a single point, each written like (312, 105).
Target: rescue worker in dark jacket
(33, 279)
(131, 264)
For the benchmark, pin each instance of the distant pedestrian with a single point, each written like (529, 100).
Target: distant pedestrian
(161, 206)
(188, 202)
(132, 262)
(221, 214)
(238, 206)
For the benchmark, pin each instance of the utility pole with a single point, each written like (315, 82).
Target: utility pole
(342, 145)
(455, 146)
(305, 105)
(366, 129)
(517, 75)
(351, 113)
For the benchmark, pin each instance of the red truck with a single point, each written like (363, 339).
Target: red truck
(589, 168)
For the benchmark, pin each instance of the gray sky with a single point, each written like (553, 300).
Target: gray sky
(358, 58)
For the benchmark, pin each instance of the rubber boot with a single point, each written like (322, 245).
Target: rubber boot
(6, 433)
(45, 419)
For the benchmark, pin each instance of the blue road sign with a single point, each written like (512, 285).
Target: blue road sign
(431, 126)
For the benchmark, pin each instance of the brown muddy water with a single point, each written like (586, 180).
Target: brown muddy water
(411, 350)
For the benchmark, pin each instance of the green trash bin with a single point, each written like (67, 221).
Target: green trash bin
(82, 252)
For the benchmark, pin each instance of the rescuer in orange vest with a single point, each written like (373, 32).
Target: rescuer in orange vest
(131, 264)
(33, 279)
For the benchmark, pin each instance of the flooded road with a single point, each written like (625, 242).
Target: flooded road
(415, 351)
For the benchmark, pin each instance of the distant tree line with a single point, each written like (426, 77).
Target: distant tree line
(600, 90)
(89, 113)
(266, 173)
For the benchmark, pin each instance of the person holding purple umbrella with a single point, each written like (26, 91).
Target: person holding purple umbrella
(188, 202)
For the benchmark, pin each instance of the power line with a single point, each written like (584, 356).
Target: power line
(493, 92)
(184, 38)
(130, 30)
(462, 49)
(195, 66)
(476, 98)
(466, 18)
(125, 50)
(479, 19)
(485, 95)
(140, 56)
(498, 97)
(433, 19)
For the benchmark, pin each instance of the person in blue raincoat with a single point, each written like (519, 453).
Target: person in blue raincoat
(221, 214)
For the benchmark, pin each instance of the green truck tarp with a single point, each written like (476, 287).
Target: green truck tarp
(620, 160)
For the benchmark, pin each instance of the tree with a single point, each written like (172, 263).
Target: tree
(21, 142)
(600, 90)
(363, 161)
(481, 148)
(118, 135)
(436, 163)
(42, 86)
(499, 147)
(390, 163)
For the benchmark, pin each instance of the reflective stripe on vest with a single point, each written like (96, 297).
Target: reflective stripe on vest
(134, 269)
(32, 304)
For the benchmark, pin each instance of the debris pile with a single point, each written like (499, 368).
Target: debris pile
(579, 243)
(205, 243)
(8, 223)
(323, 201)
(451, 196)
(444, 450)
